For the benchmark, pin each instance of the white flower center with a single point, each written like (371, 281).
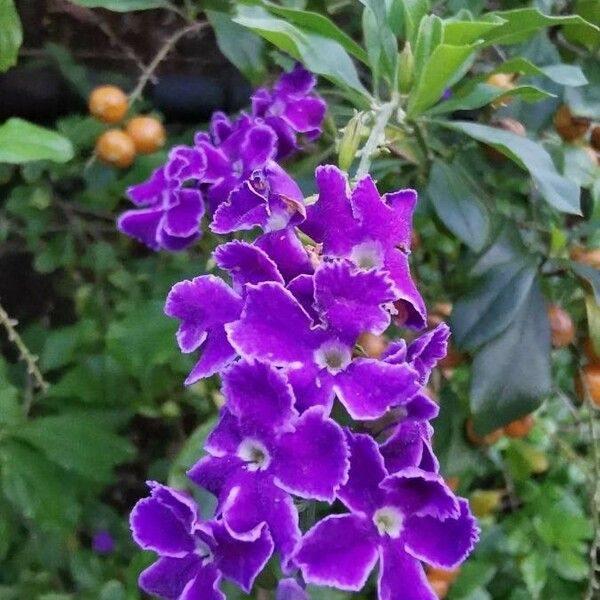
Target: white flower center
(203, 551)
(368, 255)
(255, 453)
(333, 356)
(389, 520)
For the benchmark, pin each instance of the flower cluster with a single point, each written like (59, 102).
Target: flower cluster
(289, 463)
(201, 178)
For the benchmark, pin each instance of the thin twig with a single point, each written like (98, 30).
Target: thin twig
(148, 72)
(24, 353)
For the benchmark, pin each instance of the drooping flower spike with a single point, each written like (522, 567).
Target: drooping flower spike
(281, 325)
(231, 166)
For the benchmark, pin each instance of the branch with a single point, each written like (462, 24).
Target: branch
(24, 353)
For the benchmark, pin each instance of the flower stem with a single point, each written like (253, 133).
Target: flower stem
(24, 353)
(375, 138)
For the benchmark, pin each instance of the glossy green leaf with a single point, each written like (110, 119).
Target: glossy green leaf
(444, 62)
(429, 37)
(122, 5)
(242, 47)
(493, 304)
(578, 34)
(412, 13)
(590, 275)
(11, 34)
(511, 373)
(22, 141)
(381, 43)
(78, 443)
(483, 94)
(317, 23)
(457, 204)
(319, 54)
(558, 191)
(569, 75)
(523, 23)
(459, 33)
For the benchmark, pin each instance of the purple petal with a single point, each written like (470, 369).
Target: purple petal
(303, 289)
(220, 127)
(361, 493)
(286, 250)
(290, 589)
(258, 147)
(238, 561)
(306, 115)
(226, 436)
(168, 577)
(395, 353)
(217, 353)
(286, 136)
(351, 301)
(312, 461)
(245, 209)
(259, 396)
(142, 225)
(255, 501)
(425, 352)
(149, 191)
(158, 526)
(205, 586)
(216, 475)
(387, 219)
(200, 304)
(175, 244)
(420, 493)
(273, 327)
(368, 387)
(185, 163)
(246, 263)
(339, 551)
(421, 408)
(218, 166)
(298, 82)
(445, 543)
(184, 218)
(411, 308)
(404, 448)
(312, 387)
(330, 220)
(261, 100)
(401, 577)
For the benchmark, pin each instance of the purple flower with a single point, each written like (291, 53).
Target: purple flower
(290, 108)
(370, 230)
(103, 542)
(193, 554)
(397, 520)
(318, 355)
(290, 589)
(269, 199)
(263, 451)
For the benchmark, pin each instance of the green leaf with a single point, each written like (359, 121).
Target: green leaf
(122, 5)
(11, 412)
(589, 274)
(429, 37)
(381, 43)
(78, 443)
(36, 487)
(413, 11)
(457, 204)
(589, 10)
(460, 33)
(534, 569)
(242, 47)
(493, 304)
(558, 191)
(569, 75)
(320, 24)
(443, 64)
(11, 35)
(319, 54)
(22, 142)
(483, 94)
(511, 373)
(523, 23)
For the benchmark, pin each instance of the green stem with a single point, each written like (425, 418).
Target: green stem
(377, 134)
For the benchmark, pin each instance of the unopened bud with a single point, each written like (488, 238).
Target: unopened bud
(406, 66)
(350, 142)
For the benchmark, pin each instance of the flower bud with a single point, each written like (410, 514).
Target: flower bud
(350, 142)
(406, 66)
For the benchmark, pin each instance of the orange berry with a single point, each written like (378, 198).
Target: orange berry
(568, 126)
(595, 138)
(590, 379)
(448, 575)
(479, 440)
(439, 586)
(373, 345)
(586, 257)
(520, 428)
(590, 351)
(452, 483)
(108, 103)
(503, 81)
(452, 359)
(147, 133)
(507, 124)
(561, 326)
(116, 148)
